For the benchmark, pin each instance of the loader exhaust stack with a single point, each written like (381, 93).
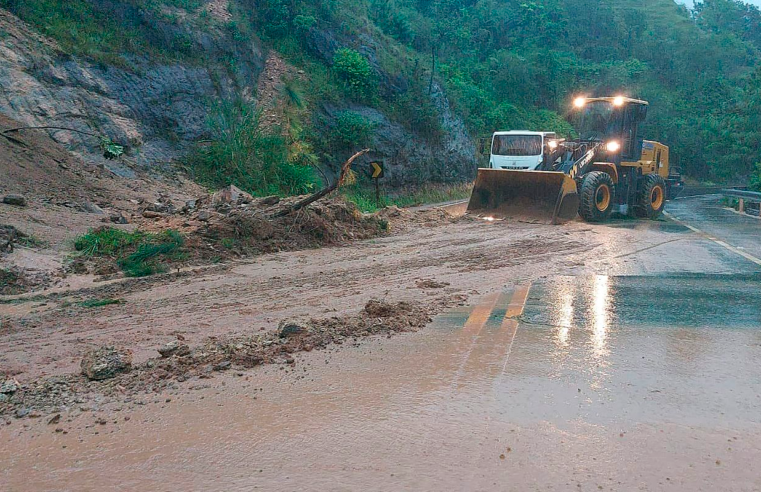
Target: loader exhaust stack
(532, 196)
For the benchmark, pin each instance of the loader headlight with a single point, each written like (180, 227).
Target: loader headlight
(618, 101)
(580, 102)
(552, 144)
(613, 146)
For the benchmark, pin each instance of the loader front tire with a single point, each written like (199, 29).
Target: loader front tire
(597, 196)
(651, 197)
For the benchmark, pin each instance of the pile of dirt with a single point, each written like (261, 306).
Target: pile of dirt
(179, 362)
(232, 223)
(402, 219)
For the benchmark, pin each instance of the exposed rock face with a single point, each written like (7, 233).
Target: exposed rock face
(410, 160)
(159, 108)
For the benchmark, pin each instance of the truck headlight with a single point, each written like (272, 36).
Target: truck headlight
(613, 146)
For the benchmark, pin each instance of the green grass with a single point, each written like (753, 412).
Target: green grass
(93, 303)
(363, 196)
(138, 254)
(107, 241)
(245, 153)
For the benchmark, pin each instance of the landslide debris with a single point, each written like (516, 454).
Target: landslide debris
(233, 224)
(108, 372)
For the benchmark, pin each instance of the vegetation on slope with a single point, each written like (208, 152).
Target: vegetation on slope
(505, 64)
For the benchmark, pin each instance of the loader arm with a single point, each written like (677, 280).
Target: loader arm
(577, 167)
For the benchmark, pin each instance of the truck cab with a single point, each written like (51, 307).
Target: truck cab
(519, 150)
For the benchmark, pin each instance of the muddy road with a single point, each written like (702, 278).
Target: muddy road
(621, 356)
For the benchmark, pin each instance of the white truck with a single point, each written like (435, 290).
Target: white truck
(520, 150)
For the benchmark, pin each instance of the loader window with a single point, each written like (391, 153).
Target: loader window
(600, 120)
(517, 145)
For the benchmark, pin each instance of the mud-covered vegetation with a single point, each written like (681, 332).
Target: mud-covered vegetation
(138, 254)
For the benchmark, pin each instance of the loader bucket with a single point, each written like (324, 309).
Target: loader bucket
(531, 196)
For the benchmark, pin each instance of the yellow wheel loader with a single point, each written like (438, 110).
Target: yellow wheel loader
(608, 169)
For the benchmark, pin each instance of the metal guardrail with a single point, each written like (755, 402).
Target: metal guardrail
(748, 202)
(751, 196)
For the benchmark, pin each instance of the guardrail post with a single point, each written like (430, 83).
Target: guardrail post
(741, 206)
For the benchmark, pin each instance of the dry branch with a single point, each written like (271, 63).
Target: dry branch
(323, 192)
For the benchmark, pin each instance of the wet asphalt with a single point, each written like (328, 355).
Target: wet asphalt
(595, 382)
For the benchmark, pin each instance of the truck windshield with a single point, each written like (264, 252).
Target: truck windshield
(517, 145)
(599, 120)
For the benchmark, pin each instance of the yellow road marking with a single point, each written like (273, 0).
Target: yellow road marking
(518, 301)
(510, 324)
(480, 314)
(721, 243)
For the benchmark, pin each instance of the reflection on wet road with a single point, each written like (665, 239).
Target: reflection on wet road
(571, 383)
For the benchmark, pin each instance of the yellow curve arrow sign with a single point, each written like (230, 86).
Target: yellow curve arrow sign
(377, 170)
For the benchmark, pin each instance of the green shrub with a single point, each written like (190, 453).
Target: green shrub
(304, 22)
(244, 153)
(275, 16)
(755, 179)
(351, 130)
(354, 71)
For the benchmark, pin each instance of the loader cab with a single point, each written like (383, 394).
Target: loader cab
(613, 121)
(519, 150)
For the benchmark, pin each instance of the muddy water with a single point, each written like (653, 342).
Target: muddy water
(593, 382)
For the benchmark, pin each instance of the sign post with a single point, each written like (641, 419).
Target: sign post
(376, 172)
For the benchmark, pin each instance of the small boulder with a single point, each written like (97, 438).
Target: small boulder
(17, 200)
(106, 362)
(150, 214)
(118, 218)
(9, 387)
(91, 208)
(231, 195)
(174, 348)
(291, 328)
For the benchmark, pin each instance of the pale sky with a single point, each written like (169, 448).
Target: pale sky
(757, 3)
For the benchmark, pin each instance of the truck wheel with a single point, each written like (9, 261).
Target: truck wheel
(651, 197)
(597, 193)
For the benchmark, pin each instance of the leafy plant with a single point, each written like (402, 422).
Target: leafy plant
(755, 179)
(245, 153)
(354, 70)
(351, 129)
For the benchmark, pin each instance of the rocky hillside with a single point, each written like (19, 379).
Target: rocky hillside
(158, 99)
(273, 94)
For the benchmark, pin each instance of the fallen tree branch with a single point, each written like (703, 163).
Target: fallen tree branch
(323, 192)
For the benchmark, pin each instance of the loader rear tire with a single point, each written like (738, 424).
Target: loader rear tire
(651, 197)
(597, 196)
